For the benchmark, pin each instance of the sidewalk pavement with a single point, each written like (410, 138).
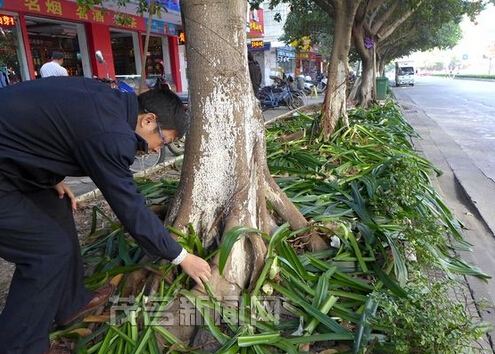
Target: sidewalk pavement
(470, 195)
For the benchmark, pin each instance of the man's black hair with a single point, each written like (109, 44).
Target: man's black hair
(167, 106)
(57, 55)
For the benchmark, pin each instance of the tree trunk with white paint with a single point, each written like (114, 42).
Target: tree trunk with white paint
(225, 180)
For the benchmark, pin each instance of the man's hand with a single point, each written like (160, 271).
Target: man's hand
(63, 189)
(197, 268)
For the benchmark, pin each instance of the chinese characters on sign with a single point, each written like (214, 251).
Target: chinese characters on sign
(53, 7)
(257, 44)
(71, 10)
(255, 26)
(32, 5)
(7, 20)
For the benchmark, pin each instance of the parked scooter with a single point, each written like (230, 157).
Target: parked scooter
(310, 86)
(322, 82)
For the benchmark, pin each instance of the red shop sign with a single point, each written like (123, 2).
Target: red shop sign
(70, 11)
(6, 20)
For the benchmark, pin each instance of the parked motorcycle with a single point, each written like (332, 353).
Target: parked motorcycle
(309, 86)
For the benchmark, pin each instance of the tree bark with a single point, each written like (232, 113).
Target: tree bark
(335, 104)
(378, 22)
(224, 179)
(363, 96)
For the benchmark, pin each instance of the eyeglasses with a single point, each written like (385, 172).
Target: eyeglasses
(164, 141)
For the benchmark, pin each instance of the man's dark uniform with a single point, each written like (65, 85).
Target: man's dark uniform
(49, 129)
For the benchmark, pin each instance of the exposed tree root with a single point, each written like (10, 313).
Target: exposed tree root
(288, 211)
(292, 137)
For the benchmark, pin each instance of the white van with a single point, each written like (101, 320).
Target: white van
(404, 73)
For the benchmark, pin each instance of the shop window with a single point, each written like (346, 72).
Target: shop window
(124, 55)
(10, 56)
(156, 65)
(154, 59)
(47, 36)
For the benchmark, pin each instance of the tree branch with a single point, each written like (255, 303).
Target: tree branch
(375, 28)
(325, 6)
(388, 30)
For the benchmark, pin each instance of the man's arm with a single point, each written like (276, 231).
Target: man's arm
(106, 160)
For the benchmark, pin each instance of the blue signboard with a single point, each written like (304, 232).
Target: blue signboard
(168, 4)
(162, 27)
(286, 52)
(1, 3)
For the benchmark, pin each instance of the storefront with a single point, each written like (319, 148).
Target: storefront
(30, 30)
(13, 64)
(286, 60)
(46, 36)
(308, 64)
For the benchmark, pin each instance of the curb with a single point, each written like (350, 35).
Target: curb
(481, 200)
(445, 153)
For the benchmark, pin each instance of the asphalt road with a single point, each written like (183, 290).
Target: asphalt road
(465, 110)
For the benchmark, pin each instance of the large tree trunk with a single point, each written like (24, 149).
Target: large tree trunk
(378, 26)
(364, 95)
(225, 180)
(222, 181)
(335, 103)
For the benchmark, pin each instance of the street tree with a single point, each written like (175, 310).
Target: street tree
(415, 37)
(225, 181)
(378, 20)
(401, 27)
(334, 108)
(374, 20)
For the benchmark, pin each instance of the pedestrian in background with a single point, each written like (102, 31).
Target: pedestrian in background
(54, 67)
(254, 73)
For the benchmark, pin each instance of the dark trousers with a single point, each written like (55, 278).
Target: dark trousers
(38, 234)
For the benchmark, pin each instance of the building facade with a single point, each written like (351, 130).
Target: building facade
(278, 58)
(275, 57)
(30, 30)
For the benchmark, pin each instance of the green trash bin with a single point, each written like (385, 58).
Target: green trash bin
(381, 87)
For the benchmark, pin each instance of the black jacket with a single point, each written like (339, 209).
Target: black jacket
(67, 126)
(255, 74)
